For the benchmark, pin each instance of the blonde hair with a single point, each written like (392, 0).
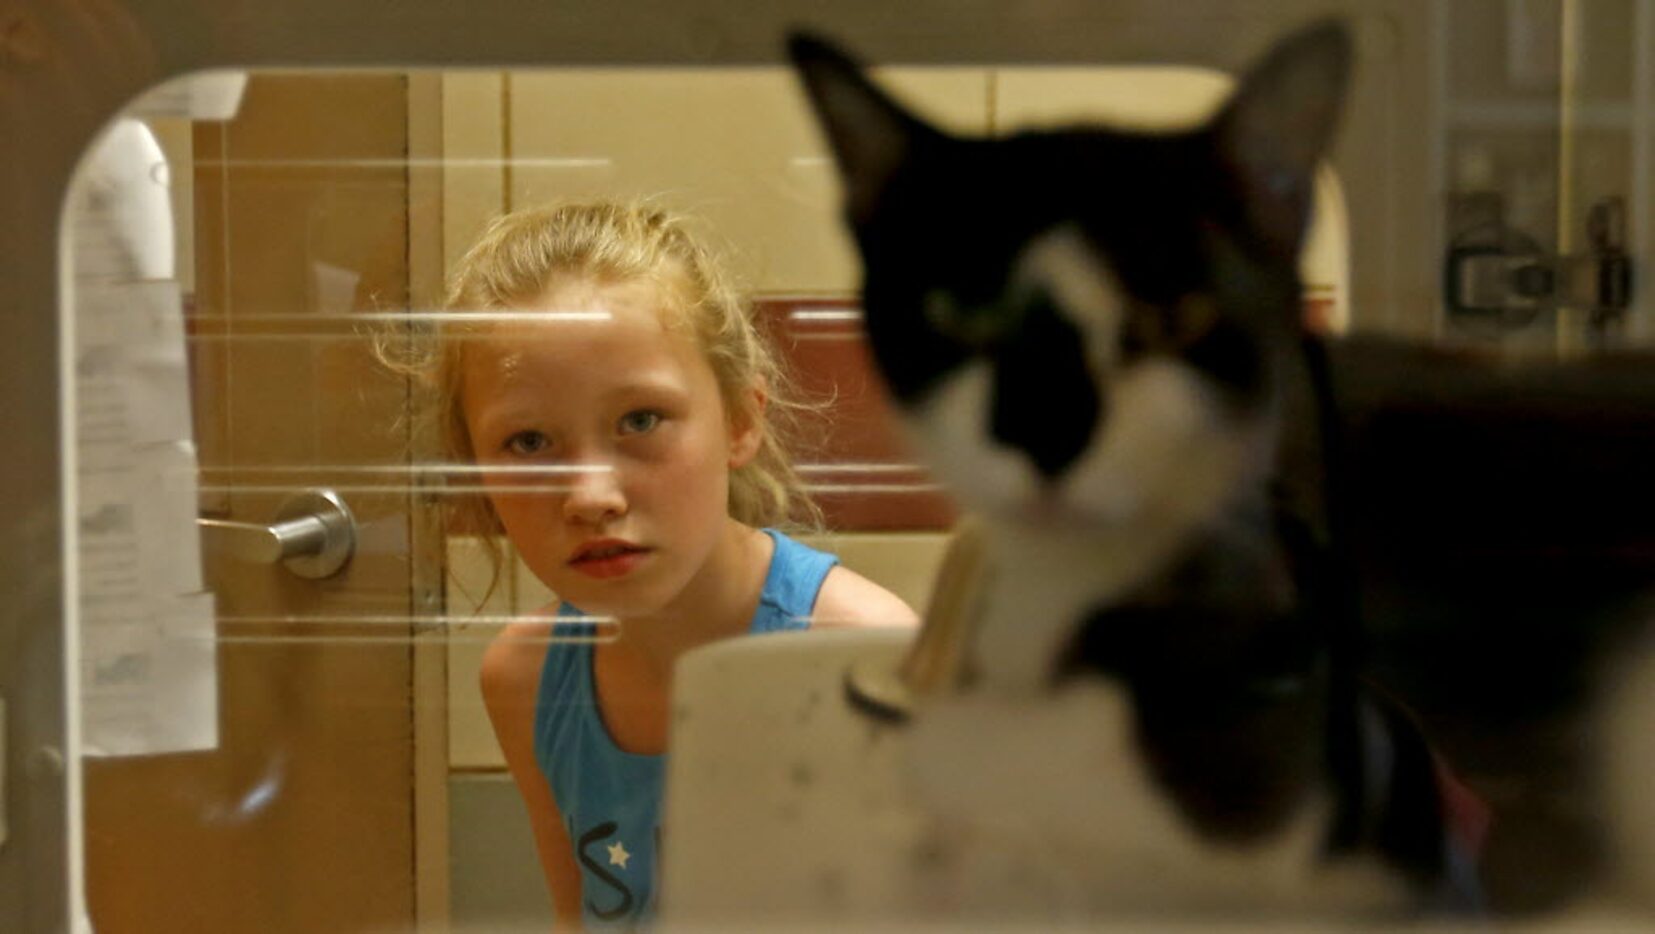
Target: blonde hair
(522, 254)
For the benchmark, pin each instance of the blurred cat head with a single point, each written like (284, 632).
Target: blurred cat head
(1084, 325)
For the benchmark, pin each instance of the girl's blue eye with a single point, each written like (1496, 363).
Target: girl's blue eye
(526, 443)
(639, 422)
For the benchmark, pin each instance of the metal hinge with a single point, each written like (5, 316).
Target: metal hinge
(1496, 273)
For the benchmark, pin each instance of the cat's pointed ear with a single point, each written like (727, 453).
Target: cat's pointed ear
(870, 134)
(1280, 123)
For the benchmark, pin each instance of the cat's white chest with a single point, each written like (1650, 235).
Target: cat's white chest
(1627, 756)
(1055, 786)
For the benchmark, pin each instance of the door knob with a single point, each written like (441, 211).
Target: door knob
(313, 535)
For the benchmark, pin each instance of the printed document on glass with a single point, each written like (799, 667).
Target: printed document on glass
(148, 670)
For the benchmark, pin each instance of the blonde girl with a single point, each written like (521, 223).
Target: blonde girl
(617, 401)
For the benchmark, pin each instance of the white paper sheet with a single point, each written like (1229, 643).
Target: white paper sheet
(148, 670)
(148, 681)
(121, 223)
(214, 95)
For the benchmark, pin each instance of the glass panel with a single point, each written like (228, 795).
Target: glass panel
(1543, 146)
(321, 568)
(1605, 164)
(1501, 158)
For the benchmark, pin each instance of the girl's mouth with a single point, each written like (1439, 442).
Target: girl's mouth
(608, 558)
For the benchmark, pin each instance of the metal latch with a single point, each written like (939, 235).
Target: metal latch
(1497, 273)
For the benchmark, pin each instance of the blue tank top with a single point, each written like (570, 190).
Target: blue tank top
(610, 798)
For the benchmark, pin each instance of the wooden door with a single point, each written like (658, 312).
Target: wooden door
(302, 818)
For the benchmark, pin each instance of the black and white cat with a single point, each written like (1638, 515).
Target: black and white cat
(1094, 336)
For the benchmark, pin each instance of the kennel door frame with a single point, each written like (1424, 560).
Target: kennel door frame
(67, 68)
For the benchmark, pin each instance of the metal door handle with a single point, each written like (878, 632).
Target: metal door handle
(314, 535)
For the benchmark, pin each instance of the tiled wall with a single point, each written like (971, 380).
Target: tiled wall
(495, 880)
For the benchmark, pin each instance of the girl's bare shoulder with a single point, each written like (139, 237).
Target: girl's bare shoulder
(849, 600)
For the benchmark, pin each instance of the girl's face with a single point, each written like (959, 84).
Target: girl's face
(605, 446)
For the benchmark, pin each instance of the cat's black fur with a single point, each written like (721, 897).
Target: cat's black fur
(1431, 551)
(1506, 559)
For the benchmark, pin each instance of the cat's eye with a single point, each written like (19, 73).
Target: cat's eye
(639, 422)
(1194, 318)
(977, 325)
(940, 311)
(1162, 328)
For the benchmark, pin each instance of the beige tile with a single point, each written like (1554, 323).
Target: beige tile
(471, 740)
(532, 595)
(473, 621)
(1152, 97)
(904, 563)
(735, 146)
(473, 140)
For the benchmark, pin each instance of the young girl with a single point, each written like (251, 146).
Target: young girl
(613, 392)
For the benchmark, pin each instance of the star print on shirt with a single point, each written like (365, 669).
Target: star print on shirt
(618, 855)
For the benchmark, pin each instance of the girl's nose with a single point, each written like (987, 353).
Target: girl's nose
(594, 495)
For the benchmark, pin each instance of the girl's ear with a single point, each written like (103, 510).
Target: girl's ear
(747, 425)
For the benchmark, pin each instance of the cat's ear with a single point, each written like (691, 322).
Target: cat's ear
(870, 134)
(1280, 123)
